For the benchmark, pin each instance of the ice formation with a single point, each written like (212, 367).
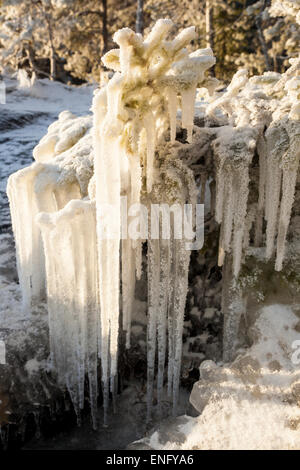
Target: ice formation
(54, 247)
(263, 121)
(74, 199)
(62, 168)
(70, 232)
(263, 115)
(130, 121)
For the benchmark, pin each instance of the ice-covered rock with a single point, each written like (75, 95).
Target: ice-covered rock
(251, 403)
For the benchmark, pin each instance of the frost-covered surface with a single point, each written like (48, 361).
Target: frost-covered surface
(264, 117)
(264, 122)
(24, 120)
(253, 403)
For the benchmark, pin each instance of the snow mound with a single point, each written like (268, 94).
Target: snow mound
(253, 403)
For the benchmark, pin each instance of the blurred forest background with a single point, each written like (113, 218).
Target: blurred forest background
(65, 39)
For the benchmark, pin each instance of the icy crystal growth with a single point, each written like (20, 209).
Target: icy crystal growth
(70, 248)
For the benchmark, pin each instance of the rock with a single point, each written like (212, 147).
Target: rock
(207, 369)
(31, 403)
(168, 431)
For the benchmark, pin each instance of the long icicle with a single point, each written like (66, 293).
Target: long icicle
(153, 288)
(288, 193)
(162, 315)
(182, 259)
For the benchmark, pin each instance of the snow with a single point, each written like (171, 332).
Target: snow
(244, 407)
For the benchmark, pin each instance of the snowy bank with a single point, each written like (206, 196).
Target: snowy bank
(252, 403)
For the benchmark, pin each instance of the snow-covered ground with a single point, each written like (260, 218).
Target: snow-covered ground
(24, 119)
(252, 403)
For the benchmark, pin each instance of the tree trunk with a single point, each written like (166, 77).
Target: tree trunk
(140, 17)
(52, 64)
(52, 49)
(262, 42)
(104, 27)
(209, 24)
(209, 32)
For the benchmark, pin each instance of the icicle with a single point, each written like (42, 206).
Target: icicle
(17, 190)
(228, 210)
(172, 109)
(220, 187)
(149, 124)
(251, 216)
(226, 230)
(228, 200)
(37, 188)
(233, 306)
(240, 210)
(272, 202)
(73, 302)
(173, 274)
(274, 181)
(188, 97)
(212, 187)
(138, 259)
(288, 191)
(221, 250)
(135, 193)
(181, 260)
(234, 150)
(128, 285)
(277, 145)
(262, 149)
(153, 303)
(290, 168)
(162, 314)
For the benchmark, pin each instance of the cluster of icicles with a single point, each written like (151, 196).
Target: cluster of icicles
(66, 239)
(258, 122)
(70, 244)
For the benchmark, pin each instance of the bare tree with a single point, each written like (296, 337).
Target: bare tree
(52, 49)
(104, 27)
(258, 24)
(48, 17)
(209, 36)
(209, 24)
(140, 17)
